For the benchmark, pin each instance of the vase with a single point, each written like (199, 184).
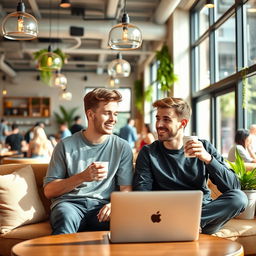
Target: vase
(249, 211)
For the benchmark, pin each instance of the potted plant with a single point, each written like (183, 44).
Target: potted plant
(248, 185)
(66, 116)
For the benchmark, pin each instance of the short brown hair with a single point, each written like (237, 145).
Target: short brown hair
(181, 107)
(93, 98)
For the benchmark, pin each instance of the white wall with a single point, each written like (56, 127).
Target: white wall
(26, 85)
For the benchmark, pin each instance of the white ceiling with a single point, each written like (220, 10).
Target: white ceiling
(89, 52)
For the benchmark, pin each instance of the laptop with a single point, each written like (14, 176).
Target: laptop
(155, 216)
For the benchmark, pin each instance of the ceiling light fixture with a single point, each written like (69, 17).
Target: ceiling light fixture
(65, 4)
(4, 91)
(125, 36)
(113, 83)
(209, 3)
(49, 61)
(119, 67)
(59, 80)
(65, 95)
(20, 25)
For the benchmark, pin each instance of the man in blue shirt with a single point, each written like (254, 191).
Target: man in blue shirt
(77, 183)
(129, 132)
(162, 165)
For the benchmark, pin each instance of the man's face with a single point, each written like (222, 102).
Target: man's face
(104, 117)
(168, 125)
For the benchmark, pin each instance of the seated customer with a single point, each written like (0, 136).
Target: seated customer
(76, 182)
(39, 146)
(162, 165)
(243, 146)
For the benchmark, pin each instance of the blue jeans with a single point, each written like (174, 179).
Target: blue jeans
(75, 216)
(219, 211)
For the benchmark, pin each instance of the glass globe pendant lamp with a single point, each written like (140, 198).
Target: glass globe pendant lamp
(49, 61)
(65, 4)
(113, 83)
(125, 36)
(119, 67)
(66, 95)
(59, 80)
(20, 25)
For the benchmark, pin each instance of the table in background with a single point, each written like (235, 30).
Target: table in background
(97, 244)
(8, 154)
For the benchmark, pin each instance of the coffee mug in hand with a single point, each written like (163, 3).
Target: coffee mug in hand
(185, 140)
(105, 168)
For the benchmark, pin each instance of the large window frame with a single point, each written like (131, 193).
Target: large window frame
(232, 82)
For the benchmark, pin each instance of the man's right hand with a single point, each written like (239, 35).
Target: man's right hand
(94, 172)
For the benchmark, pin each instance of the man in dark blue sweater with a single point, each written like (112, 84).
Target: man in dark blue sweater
(163, 166)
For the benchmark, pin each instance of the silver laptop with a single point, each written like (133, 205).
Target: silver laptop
(155, 216)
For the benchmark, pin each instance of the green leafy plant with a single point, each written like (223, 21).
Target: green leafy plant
(246, 178)
(65, 115)
(165, 76)
(46, 76)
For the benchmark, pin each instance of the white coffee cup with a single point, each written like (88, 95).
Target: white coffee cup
(105, 167)
(185, 140)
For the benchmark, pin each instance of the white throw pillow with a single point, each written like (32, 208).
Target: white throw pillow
(20, 203)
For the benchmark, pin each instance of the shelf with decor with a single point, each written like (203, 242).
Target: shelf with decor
(26, 107)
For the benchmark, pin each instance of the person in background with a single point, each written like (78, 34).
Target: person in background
(40, 146)
(253, 138)
(162, 165)
(76, 127)
(64, 131)
(243, 146)
(129, 132)
(30, 133)
(4, 131)
(75, 181)
(15, 141)
(146, 136)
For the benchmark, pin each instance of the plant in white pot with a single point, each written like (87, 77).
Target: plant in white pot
(248, 185)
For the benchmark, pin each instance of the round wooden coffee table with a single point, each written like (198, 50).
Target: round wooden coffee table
(97, 244)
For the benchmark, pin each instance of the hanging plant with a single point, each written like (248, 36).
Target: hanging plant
(46, 76)
(165, 76)
(165, 71)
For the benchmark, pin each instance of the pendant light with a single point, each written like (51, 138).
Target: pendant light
(66, 95)
(119, 67)
(125, 36)
(209, 3)
(59, 80)
(113, 83)
(50, 61)
(4, 91)
(65, 4)
(20, 25)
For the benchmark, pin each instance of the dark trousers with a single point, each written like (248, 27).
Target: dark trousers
(75, 216)
(219, 211)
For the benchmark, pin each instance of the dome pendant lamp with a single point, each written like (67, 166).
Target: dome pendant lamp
(125, 36)
(65, 4)
(49, 61)
(119, 67)
(113, 83)
(209, 3)
(59, 80)
(20, 25)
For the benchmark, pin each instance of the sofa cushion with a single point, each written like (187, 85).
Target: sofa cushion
(20, 203)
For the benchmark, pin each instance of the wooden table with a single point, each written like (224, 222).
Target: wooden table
(97, 244)
(7, 154)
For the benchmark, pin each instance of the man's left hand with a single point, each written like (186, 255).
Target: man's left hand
(196, 148)
(104, 213)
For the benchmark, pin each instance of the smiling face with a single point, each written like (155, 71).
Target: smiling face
(168, 125)
(104, 117)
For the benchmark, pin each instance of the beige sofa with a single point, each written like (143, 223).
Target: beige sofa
(243, 231)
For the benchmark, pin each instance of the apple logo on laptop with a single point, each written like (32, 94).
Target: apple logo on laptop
(156, 217)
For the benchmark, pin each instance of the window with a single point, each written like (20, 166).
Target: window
(225, 108)
(203, 120)
(222, 6)
(250, 101)
(226, 49)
